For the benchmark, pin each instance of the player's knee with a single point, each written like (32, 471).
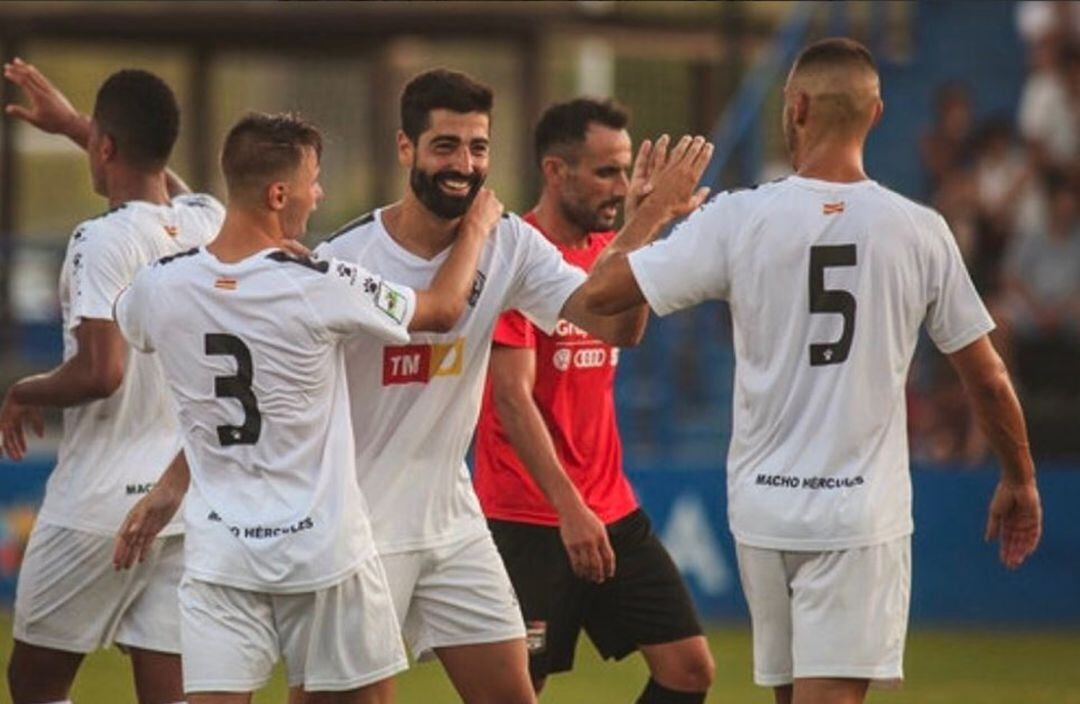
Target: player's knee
(692, 673)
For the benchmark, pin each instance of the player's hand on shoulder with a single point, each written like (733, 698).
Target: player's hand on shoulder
(49, 109)
(587, 544)
(14, 417)
(483, 214)
(675, 175)
(1015, 520)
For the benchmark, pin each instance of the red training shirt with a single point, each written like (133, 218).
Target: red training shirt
(574, 390)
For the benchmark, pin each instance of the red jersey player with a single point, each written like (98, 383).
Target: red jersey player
(579, 550)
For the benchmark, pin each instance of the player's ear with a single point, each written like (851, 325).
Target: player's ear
(277, 195)
(553, 168)
(106, 148)
(879, 110)
(406, 150)
(801, 108)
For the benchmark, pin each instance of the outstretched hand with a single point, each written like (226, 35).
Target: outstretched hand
(672, 178)
(49, 110)
(1016, 520)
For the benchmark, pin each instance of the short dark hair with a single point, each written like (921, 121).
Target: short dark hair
(139, 111)
(262, 148)
(440, 88)
(835, 51)
(566, 124)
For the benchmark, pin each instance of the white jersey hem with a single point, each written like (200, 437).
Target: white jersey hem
(473, 530)
(819, 545)
(232, 582)
(46, 517)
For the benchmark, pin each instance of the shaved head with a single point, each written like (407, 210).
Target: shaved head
(833, 90)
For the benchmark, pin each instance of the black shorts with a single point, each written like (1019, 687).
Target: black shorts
(645, 603)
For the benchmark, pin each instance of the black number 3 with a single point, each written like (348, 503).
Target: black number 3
(823, 300)
(237, 386)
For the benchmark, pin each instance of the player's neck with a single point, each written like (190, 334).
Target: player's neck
(123, 185)
(553, 222)
(244, 233)
(838, 161)
(418, 230)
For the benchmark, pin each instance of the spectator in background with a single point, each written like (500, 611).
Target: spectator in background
(1048, 115)
(1041, 297)
(947, 147)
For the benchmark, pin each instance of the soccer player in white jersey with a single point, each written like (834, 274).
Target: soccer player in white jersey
(278, 556)
(830, 276)
(120, 431)
(415, 405)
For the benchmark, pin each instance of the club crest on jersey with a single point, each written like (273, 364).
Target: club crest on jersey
(832, 208)
(477, 288)
(391, 302)
(418, 364)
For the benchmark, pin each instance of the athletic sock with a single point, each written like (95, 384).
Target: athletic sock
(656, 693)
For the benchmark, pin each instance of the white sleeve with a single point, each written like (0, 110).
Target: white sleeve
(349, 299)
(955, 315)
(543, 281)
(209, 208)
(691, 265)
(131, 312)
(101, 266)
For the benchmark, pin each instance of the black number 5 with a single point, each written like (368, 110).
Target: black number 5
(823, 300)
(237, 386)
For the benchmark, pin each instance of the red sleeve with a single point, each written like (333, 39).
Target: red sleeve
(514, 330)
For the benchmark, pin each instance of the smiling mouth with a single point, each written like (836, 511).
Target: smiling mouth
(455, 186)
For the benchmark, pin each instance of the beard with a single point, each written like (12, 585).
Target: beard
(426, 188)
(588, 218)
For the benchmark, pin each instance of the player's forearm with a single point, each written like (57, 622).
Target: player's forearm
(529, 436)
(176, 478)
(639, 230)
(1001, 419)
(70, 384)
(441, 305)
(77, 129)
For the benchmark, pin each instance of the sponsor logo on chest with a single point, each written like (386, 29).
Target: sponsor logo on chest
(418, 364)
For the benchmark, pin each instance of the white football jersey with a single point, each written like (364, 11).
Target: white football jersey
(414, 406)
(114, 449)
(828, 285)
(252, 352)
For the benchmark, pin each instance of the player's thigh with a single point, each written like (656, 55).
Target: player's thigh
(765, 583)
(551, 597)
(849, 613)
(463, 597)
(343, 637)
(228, 639)
(489, 673)
(158, 676)
(646, 602)
(829, 691)
(152, 620)
(68, 595)
(37, 674)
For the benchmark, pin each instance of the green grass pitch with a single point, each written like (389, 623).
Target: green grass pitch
(942, 667)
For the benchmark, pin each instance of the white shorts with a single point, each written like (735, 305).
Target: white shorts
(334, 639)
(69, 597)
(457, 594)
(837, 614)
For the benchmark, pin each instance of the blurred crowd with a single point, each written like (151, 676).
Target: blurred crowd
(1009, 188)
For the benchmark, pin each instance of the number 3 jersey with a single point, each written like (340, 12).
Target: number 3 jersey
(828, 284)
(115, 448)
(252, 352)
(415, 405)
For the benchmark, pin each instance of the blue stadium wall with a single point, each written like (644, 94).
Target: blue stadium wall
(957, 579)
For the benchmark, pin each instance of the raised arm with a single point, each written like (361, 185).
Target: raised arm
(50, 111)
(439, 306)
(513, 376)
(610, 302)
(1015, 516)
